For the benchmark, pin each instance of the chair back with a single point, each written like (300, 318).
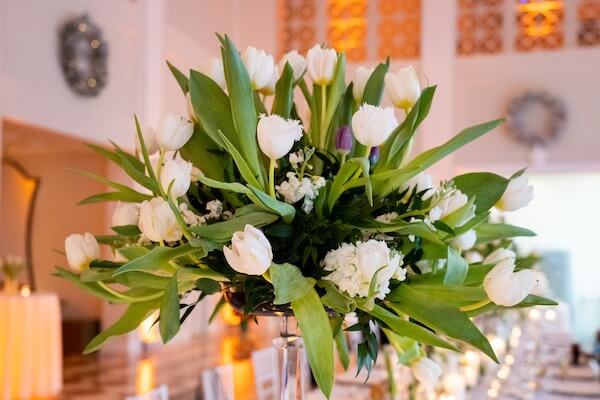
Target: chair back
(217, 383)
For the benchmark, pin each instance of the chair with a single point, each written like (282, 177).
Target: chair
(160, 393)
(266, 378)
(217, 383)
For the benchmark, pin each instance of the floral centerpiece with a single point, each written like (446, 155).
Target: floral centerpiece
(307, 201)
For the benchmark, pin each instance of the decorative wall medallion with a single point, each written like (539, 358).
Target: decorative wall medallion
(536, 118)
(83, 56)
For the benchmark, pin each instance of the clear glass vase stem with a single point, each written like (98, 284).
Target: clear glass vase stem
(291, 360)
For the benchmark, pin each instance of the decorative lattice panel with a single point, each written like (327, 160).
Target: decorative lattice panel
(480, 26)
(588, 16)
(297, 30)
(539, 24)
(347, 27)
(399, 28)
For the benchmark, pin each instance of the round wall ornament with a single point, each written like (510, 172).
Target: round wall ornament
(83, 56)
(536, 118)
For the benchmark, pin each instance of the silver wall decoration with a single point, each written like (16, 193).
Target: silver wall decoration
(83, 56)
(536, 118)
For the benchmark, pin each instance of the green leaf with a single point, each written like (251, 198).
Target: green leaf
(133, 316)
(127, 230)
(456, 295)
(375, 84)
(202, 151)
(408, 349)
(489, 232)
(456, 268)
(156, 258)
(344, 181)
(288, 283)
(241, 98)
(131, 252)
(181, 79)
(341, 344)
(410, 330)
(89, 287)
(284, 94)
(335, 299)
(123, 189)
(115, 196)
(335, 91)
(144, 150)
(223, 231)
(138, 175)
(439, 316)
(318, 338)
(208, 286)
(241, 163)
(136, 279)
(416, 228)
(169, 311)
(189, 274)
(486, 188)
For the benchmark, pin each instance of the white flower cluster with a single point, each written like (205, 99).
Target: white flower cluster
(293, 190)
(296, 159)
(353, 266)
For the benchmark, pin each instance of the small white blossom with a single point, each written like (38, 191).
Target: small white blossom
(215, 209)
(296, 159)
(189, 217)
(387, 218)
(293, 190)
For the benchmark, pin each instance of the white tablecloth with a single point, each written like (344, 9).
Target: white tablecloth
(30, 346)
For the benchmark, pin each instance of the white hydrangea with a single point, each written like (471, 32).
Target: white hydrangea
(387, 218)
(189, 217)
(293, 190)
(352, 267)
(215, 209)
(296, 159)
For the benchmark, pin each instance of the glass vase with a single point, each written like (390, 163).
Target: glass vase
(291, 354)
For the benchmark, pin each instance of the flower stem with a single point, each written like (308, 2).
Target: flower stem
(322, 130)
(272, 177)
(475, 306)
(161, 158)
(127, 298)
(343, 160)
(358, 172)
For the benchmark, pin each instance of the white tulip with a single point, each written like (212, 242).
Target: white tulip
(473, 257)
(276, 135)
(297, 63)
(518, 194)
(173, 132)
(157, 221)
(81, 250)
(190, 108)
(179, 172)
(149, 136)
(250, 252)
(427, 372)
(422, 182)
(320, 64)
(361, 77)
(403, 87)
(498, 255)
(126, 214)
(505, 287)
(372, 125)
(451, 203)
(465, 241)
(269, 89)
(260, 67)
(215, 71)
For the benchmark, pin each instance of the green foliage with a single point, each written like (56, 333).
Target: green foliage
(488, 232)
(484, 187)
(288, 283)
(223, 231)
(284, 95)
(456, 268)
(169, 311)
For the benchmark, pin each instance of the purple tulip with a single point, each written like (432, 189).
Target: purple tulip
(343, 140)
(374, 156)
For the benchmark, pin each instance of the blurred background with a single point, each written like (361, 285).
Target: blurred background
(74, 71)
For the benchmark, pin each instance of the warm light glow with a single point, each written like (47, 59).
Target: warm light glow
(25, 291)
(540, 17)
(347, 29)
(454, 383)
(514, 342)
(550, 315)
(229, 349)
(493, 393)
(148, 331)
(504, 372)
(495, 384)
(516, 332)
(509, 359)
(498, 344)
(145, 376)
(230, 316)
(471, 357)
(445, 396)
(534, 314)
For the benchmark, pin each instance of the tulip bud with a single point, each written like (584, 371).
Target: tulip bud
(343, 140)
(215, 71)
(179, 172)
(296, 61)
(498, 255)
(277, 135)
(374, 155)
(157, 221)
(422, 182)
(518, 194)
(403, 87)
(250, 252)
(361, 77)
(149, 136)
(372, 125)
(173, 132)
(126, 214)
(505, 288)
(81, 250)
(320, 65)
(427, 372)
(260, 67)
(465, 241)
(269, 89)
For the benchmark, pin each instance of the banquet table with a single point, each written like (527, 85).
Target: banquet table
(30, 346)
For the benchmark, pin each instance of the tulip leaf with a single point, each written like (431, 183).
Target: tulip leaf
(318, 338)
(288, 283)
(344, 180)
(335, 91)
(131, 197)
(144, 150)
(407, 349)
(138, 175)
(131, 318)
(417, 228)
(169, 311)
(201, 151)
(486, 188)
(284, 95)
(223, 231)
(341, 345)
(156, 258)
(456, 295)
(138, 279)
(489, 232)
(375, 84)
(335, 299)
(123, 189)
(241, 163)
(241, 98)
(439, 316)
(133, 252)
(409, 329)
(90, 287)
(529, 301)
(456, 268)
(180, 77)
(127, 230)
